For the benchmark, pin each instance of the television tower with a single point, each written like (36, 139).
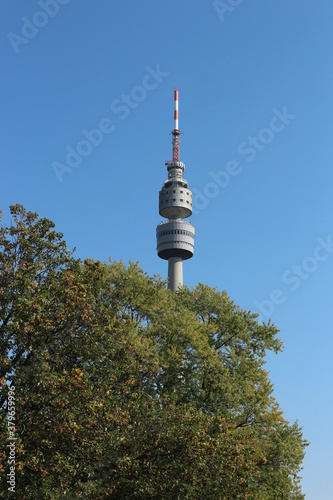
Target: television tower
(175, 237)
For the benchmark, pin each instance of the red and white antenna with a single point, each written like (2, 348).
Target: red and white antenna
(176, 109)
(175, 132)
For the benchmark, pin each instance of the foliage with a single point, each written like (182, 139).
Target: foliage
(126, 390)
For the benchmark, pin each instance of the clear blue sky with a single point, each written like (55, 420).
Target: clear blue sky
(255, 88)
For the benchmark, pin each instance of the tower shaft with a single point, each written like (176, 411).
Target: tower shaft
(175, 273)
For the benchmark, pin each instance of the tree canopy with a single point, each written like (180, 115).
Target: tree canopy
(124, 389)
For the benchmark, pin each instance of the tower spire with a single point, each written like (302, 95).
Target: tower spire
(175, 237)
(175, 132)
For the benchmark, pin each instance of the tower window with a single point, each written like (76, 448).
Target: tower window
(181, 199)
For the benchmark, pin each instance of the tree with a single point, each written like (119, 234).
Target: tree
(124, 389)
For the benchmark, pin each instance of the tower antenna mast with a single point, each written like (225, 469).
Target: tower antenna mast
(175, 132)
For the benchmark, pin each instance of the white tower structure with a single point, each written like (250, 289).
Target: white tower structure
(175, 237)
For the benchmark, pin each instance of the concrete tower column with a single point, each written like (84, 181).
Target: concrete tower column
(175, 273)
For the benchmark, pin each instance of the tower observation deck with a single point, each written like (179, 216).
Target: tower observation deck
(175, 236)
